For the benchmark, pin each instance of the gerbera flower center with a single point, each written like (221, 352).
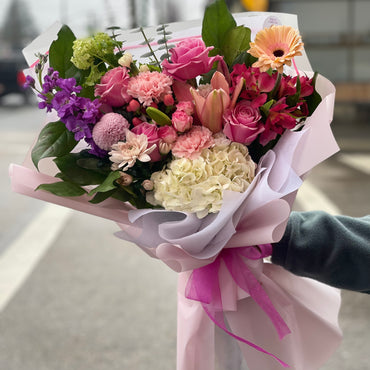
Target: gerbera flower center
(278, 53)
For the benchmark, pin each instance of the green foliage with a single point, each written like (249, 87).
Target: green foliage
(158, 116)
(60, 53)
(217, 22)
(219, 29)
(235, 42)
(108, 184)
(314, 99)
(63, 189)
(72, 167)
(54, 141)
(162, 41)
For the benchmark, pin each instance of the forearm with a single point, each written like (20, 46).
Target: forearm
(331, 249)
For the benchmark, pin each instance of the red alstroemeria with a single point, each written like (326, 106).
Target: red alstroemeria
(280, 118)
(256, 82)
(288, 86)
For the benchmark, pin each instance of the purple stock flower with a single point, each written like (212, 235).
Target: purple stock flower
(79, 114)
(30, 82)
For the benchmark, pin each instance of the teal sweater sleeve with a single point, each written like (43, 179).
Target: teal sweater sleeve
(332, 249)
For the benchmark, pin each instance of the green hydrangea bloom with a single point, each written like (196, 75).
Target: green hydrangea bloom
(87, 49)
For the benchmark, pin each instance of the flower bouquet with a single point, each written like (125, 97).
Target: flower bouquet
(196, 149)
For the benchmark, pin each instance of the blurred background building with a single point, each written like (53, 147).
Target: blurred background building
(336, 32)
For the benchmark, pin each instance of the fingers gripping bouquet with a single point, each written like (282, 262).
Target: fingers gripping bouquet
(197, 154)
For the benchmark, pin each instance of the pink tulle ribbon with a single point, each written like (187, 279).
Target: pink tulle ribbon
(203, 286)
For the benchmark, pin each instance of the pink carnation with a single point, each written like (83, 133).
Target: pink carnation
(112, 87)
(185, 106)
(149, 87)
(110, 130)
(191, 144)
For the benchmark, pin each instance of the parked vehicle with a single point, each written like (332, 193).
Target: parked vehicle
(12, 78)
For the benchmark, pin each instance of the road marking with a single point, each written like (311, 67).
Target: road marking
(21, 257)
(358, 161)
(310, 198)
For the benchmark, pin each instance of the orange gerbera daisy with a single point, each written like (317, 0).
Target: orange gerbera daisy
(275, 46)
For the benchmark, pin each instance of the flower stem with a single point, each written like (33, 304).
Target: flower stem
(150, 48)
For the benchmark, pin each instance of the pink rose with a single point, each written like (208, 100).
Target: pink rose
(243, 124)
(167, 134)
(181, 121)
(113, 87)
(150, 130)
(189, 59)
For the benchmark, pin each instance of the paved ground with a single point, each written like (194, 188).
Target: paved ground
(94, 302)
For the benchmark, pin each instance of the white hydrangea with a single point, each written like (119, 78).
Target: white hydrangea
(197, 185)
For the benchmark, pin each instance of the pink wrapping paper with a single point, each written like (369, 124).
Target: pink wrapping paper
(258, 216)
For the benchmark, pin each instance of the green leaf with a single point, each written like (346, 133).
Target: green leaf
(100, 197)
(60, 51)
(235, 42)
(293, 99)
(217, 22)
(315, 98)
(54, 141)
(147, 55)
(121, 195)
(108, 184)
(244, 58)
(74, 172)
(63, 189)
(265, 109)
(158, 116)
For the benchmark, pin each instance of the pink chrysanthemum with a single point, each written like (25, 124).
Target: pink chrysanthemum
(110, 130)
(125, 154)
(149, 87)
(191, 144)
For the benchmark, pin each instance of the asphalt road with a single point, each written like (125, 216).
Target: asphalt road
(75, 297)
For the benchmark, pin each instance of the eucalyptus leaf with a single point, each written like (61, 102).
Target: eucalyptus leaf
(60, 51)
(63, 189)
(217, 21)
(150, 39)
(164, 56)
(162, 27)
(54, 141)
(147, 55)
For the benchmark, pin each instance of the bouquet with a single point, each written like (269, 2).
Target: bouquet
(196, 149)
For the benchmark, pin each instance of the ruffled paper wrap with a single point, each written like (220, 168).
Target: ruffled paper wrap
(307, 310)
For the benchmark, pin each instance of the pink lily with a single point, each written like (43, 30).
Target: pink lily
(210, 109)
